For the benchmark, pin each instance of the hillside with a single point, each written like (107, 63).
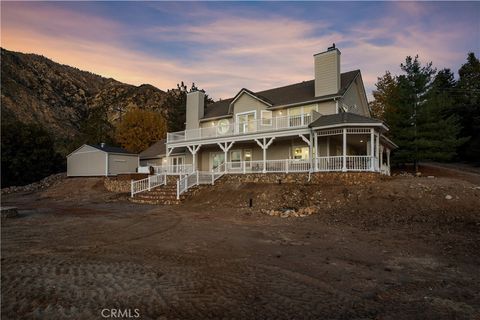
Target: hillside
(38, 90)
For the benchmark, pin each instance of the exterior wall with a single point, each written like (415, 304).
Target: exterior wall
(86, 161)
(327, 72)
(162, 161)
(120, 163)
(246, 103)
(278, 150)
(355, 95)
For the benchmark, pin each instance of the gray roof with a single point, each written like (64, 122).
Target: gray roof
(294, 93)
(343, 117)
(110, 149)
(158, 149)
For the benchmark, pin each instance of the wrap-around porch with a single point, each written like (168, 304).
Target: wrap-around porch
(339, 149)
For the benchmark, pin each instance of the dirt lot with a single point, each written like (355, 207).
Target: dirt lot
(396, 249)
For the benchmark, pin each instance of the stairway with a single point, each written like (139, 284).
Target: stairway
(159, 195)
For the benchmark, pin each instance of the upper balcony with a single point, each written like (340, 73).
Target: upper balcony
(225, 128)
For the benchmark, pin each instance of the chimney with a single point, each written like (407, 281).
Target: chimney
(327, 71)
(195, 108)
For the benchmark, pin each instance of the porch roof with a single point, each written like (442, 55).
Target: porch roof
(343, 118)
(158, 150)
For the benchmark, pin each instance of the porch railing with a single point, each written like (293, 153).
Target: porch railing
(240, 128)
(352, 163)
(173, 169)
(270, 166)
(147, 184)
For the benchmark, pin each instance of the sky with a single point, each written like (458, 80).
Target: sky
(226, 46)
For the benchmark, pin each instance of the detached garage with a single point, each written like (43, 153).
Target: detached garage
(100, 160)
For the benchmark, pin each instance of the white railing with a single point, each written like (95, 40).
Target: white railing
(359, 163)
(240, 128)
(352, 163)
(196, 178)
(174, 169)
(147, 184)
(330, 163)
(271, 166)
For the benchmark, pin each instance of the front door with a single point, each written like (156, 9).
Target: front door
(247, 157)
(177, 164)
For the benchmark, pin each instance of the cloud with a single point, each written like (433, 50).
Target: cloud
(222, 50)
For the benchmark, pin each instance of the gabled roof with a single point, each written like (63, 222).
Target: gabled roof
(343, 118)
(291, 94)
(158, 150)
(110, 149)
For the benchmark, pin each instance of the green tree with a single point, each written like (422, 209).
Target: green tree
(176, 104)
(467, 107)
(139, 129)
(414, 108)
(28, 153)
(95, 127)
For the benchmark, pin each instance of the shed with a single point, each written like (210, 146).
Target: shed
(100, 160)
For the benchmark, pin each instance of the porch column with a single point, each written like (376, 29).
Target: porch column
(264, 147)
(378, 151)
(168, 165)
(193, 150)
(381, 157)
(225, 148)
(388, 158)
(372, 149)
(309, 143)
(344, 169)
(315, 136)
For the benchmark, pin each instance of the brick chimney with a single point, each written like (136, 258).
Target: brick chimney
(195, 108)
(327, 71)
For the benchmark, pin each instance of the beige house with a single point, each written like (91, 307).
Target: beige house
(319, 125)
(100, 160)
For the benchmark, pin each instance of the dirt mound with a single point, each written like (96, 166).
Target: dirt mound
(399, 200)
(79, 189)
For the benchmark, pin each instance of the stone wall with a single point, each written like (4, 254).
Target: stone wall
(347, 178)
(122, 182)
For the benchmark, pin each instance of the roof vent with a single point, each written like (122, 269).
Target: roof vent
(331, 48)
(102, 145)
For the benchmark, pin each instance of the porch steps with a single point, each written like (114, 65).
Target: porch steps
(159, 195)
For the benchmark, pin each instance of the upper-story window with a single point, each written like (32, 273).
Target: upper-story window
(266, 117)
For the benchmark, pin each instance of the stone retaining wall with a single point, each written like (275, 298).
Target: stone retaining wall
(347, 178)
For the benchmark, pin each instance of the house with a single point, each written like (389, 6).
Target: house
(320, 125)
(323, 124)
(100, 160)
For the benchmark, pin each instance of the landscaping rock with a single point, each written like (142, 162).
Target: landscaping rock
(42, 184)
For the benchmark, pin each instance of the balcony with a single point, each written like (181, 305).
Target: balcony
(242, 128)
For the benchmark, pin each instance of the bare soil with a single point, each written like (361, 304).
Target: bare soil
(395, 249)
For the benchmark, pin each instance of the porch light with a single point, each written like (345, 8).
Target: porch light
(361, 141)
(213, 123)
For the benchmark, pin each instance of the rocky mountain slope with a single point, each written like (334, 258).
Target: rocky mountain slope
(35, 89)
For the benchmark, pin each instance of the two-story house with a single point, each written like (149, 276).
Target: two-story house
(319, 125)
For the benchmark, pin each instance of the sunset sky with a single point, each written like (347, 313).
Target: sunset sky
(224, 46)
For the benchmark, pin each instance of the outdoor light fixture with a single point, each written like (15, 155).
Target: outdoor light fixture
(361, 141)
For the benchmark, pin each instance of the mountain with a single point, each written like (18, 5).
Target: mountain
(35, 89)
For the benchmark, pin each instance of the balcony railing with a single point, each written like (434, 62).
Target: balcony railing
(241, 128)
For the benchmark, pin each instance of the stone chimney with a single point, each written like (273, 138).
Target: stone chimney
(327, 72)
(195, 108)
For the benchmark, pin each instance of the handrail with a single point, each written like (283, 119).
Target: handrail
(173, 169)
(137, 186)
(196, 178)
(240, 128)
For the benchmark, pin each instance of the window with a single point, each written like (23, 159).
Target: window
(301, 153)
(236, 158)
(246, 122)
(266, 117)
